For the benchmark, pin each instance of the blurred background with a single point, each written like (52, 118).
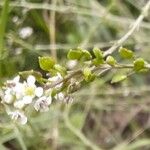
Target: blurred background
(103, 116)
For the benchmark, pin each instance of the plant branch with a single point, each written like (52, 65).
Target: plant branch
(130, 32)
(104, 68)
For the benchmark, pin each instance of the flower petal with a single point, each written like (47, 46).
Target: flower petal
(39, 91)
(19, 104)
(31, 80)
(27, 99)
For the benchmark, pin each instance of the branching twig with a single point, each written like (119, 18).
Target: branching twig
(104, 68)
(129, 33)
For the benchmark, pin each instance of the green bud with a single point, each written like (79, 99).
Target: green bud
(74, 54)
(139, 64)
(46, 63)
(125, 53)
(111, 61)
(88, 76)
(99, 57)
(86, 55)
(98, 62)
(98, 53)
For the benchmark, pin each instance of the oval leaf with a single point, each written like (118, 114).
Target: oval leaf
(118, 78)
(74, 54)
(86, 55)
(98, 53)
(46, 63)
(125, 53)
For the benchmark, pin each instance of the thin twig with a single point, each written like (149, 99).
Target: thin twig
(130, 32)
(104, 68)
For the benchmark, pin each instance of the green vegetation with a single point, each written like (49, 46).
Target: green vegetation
(91, 60)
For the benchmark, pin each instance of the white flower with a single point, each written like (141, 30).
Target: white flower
(18, 90)
(18, 116)
(30, 88)
(25, 32)
(31, 80)
(24, 101)
(60, 96)
(42, 104)
(27, 99)
(56, 78)
(14, 88)
(21, 93)
(8, 98)
(71, 64)
(39, 91)
(13, 82)
(19, 104)
(16, 79)
(9, 93)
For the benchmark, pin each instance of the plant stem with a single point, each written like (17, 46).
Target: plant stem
(19, 137)
(78, 133)
(94, 70)
(135, 26)
(3, 22)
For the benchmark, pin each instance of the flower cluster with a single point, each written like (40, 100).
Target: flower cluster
(18, 95)
(63, 81)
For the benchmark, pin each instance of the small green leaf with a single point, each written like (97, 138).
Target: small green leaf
(111, 61)
(87, 72)
(88, 76)
(99, 57)
(125, 53)
(98, 53)
(46, 63)
(25, 74)
(74, 54)
(118, 77)
(36, 74)
(139, 64)
(86, 55)
(97, 61)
